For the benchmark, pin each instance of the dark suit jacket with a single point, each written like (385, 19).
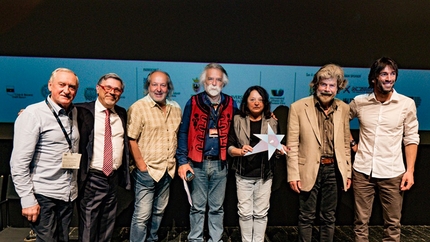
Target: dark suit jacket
(86, 143)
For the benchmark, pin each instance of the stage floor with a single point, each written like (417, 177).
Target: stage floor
(232, 234)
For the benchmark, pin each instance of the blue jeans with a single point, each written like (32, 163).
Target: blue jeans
(208, 187)
(253, 197)
(325, 187)
(151, 200)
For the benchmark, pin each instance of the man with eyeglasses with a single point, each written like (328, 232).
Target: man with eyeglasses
(202, 151)
(153, 123)
(386, 119)
(45, 158)
(105, 159)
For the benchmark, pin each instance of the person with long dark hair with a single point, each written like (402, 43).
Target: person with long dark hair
(254, 172)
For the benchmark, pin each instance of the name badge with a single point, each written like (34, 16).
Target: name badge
(71, 161)
(213, 133)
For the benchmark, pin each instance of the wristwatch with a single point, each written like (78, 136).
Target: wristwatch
(353, 143)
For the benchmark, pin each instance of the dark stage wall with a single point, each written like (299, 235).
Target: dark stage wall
(349, 33)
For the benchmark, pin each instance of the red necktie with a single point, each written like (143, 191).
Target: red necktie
(108, 156)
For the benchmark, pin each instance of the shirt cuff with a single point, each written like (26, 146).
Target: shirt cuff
(28, 201)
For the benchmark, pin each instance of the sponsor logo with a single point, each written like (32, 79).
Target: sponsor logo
(90, 94)
(277, 93)
(45, 91)
(360, 89)
(237, 98)
(10, 90)
(277, 98)
(196, 84)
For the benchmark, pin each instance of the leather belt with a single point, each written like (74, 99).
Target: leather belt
(100, 173)
(211, 157)
(327, 160)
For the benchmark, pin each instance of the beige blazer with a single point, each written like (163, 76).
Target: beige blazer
(304, 141)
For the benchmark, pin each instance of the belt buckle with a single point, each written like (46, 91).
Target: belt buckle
(211, 157)
(327, 160)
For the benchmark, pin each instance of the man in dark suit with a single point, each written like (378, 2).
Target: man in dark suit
(105, 159)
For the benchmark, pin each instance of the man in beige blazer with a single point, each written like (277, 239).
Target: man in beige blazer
(319, 159)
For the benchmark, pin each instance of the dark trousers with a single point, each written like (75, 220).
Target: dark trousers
(54, 219)
(326, 188)
(97, 207)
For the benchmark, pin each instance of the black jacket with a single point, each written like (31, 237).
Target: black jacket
(86, 144)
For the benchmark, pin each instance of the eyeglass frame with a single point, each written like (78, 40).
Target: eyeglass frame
(108, 89)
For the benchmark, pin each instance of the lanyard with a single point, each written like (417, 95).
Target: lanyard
(214, 116)
(213, 112)
(61, 124)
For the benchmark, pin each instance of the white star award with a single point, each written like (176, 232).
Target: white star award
(270, 142)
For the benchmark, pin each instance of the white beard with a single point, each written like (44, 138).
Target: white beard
(213, 91)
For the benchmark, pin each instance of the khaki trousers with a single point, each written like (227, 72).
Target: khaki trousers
(390, 197)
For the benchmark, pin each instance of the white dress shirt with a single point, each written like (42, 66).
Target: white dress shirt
(383, 126)
(99, 134)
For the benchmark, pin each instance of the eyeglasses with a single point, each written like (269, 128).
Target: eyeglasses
(255, 100)
(116, 90)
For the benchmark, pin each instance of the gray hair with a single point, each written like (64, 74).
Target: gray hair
(326, 72)
(62, 69)
(111, 75)
(214, 66)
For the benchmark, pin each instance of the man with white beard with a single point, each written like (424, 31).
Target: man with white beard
(202, 151)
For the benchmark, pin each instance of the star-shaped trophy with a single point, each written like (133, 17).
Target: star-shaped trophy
(270, 142)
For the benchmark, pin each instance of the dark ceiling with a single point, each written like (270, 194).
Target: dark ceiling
(349, 33)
